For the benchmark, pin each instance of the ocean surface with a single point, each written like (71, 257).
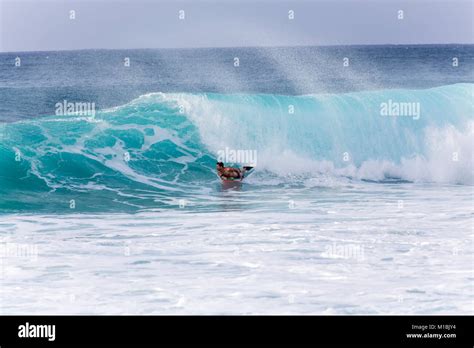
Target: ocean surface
(349, 210)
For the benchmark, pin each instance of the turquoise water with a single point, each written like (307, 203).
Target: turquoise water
(349, 210)
(162, 147)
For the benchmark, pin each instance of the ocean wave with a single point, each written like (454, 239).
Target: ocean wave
(167, 143)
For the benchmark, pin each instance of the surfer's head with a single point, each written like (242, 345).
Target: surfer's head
(219, 165)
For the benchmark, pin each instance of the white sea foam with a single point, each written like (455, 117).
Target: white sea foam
(346, 250)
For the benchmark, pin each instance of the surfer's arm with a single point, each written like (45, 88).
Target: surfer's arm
(224, 175)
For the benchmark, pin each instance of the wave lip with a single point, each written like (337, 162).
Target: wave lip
(345, 134)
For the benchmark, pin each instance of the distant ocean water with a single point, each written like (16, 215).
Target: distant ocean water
(350, 210)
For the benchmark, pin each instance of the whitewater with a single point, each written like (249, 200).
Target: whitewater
(349, 211)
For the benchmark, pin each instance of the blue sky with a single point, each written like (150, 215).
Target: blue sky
(45, 25)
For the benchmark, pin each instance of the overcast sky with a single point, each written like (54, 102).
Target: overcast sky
(45, 25)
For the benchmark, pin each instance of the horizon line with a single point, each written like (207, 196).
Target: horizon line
(236, 47)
